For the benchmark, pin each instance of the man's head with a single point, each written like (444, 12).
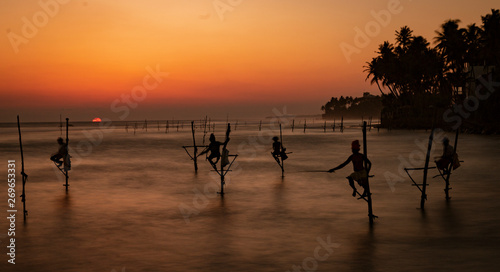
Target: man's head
(60, 140)
(275, 138)
(446, 141)
(355, 146)
(212, 138)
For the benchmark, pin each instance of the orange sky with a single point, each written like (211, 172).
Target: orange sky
(261, 54)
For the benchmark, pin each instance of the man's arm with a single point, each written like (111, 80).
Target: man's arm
(368, 164)
(342, 165)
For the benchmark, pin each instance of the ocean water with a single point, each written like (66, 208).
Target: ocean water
(135, 203)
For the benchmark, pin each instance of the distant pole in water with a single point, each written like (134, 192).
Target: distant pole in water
(324, 127)
(305, 125)
(195, 155)
(126, 127)
(60, 125)
(260, 125)
(342, 124)
(333, 124)
(25, 177)
(66, 160)
(205, 129)
(369, 194)
(145, 125)
(293, 124)
(135, 127)
(166, 127)
(423, 198)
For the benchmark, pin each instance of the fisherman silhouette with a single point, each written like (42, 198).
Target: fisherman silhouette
(278, 150)
(449, 156)
(61, 153)
(214, 148)
(360, 174)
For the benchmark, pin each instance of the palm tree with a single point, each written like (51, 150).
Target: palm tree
(491, 38)
(452, 45)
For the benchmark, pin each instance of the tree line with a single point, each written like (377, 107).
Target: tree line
(419, 82)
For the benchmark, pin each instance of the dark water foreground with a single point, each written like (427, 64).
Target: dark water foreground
(135, 204)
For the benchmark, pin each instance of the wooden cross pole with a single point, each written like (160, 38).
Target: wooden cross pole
(25, 177)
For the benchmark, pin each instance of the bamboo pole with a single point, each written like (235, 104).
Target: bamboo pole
(24, 176)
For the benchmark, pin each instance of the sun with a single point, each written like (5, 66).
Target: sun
(96, 120)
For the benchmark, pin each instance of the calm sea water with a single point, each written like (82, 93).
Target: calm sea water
(135, 204)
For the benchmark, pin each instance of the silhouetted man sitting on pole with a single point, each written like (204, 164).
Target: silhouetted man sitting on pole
(278, 150)
(449, 156)
(61, 153)
(214, 148)
(360, 174)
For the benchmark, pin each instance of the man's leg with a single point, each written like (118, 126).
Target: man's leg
(351, 183)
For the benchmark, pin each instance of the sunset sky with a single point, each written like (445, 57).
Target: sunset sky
(80, 58)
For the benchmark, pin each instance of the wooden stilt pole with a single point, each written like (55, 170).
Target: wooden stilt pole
(24, 176)
(324, 127)
(305, 125)
(369, 194)
(293, 124)
(426, 168)
(195, 156)
(67, 154)
(260, 125)
(222, 174)
(281, 158)
(450, 167)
